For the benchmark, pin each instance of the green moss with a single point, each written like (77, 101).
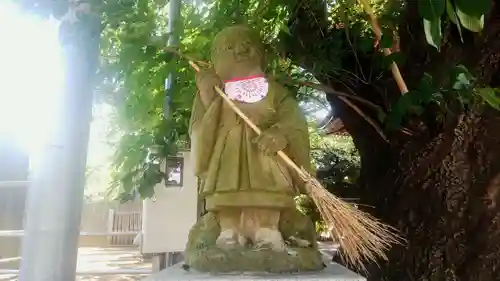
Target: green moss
(203, 234)
(242, 259)
(202, 254)
(295, 224)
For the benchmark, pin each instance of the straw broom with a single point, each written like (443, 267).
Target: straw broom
(363, 238)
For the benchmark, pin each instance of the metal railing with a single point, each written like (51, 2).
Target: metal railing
(10, 184)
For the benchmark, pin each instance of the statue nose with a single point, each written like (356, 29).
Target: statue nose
(242, 50)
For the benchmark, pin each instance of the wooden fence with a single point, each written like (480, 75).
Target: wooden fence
(124, 222)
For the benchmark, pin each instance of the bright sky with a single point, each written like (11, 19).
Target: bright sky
(31, 85)
(31, 75)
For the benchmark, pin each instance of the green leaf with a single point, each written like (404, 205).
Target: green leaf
(417, 110)
(432, 29)
(125, 197)
(364, 44)
(352, 3)
(450, 10)
(161, 3)
(398, 57)
(426, 89)
(386, 40)
(461, 82)
(402, 106)
(461, 78)
(414, 102)
(490, 95)
(452, 15)
(431, 9)
(474, 8)
(437, 98)
(284, 28)
(470, 22)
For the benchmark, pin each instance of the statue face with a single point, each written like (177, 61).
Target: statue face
(235, 51)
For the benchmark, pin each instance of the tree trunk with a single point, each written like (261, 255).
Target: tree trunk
(442, 192)
(448, 210)
(440, 187)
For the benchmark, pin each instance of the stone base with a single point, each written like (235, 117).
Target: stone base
(213, 259)
(302, 254)
(332, 272)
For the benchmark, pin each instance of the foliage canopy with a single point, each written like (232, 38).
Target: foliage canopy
(135, 63)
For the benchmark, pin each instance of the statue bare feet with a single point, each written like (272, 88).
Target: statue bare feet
(269, 238)
(228, 239)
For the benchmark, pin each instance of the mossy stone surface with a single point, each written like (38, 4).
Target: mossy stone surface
(202, 253)
(242, 259)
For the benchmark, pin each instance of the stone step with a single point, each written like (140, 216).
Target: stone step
(332, 272)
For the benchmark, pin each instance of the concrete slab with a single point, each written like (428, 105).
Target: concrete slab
(333, 272)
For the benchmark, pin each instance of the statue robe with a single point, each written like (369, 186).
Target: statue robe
(232, 169)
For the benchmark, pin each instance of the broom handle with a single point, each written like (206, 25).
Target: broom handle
(378, 33)
(254, 127)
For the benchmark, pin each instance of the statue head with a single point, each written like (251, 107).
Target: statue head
(236, 51)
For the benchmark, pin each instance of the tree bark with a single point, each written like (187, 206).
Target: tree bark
(448, 213)
(439, 187)
(442, 193)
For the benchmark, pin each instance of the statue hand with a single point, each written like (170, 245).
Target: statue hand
(271, 141)
(206, 80)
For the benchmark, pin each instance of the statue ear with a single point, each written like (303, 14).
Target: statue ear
(267, 53)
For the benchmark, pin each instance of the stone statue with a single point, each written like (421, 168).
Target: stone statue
(252, 223)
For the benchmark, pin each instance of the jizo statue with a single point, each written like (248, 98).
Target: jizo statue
(251, 223)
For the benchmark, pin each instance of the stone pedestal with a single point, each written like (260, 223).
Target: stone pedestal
(333, 272)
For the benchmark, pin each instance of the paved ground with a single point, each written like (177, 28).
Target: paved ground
(328, 249)
(101, 259)
(114, 258)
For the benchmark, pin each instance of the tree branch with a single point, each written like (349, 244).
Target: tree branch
(331, 91)
(366, 117)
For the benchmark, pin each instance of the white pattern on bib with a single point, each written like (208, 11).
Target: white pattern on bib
(247, 90)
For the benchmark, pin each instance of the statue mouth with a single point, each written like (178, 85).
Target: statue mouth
(242, 58)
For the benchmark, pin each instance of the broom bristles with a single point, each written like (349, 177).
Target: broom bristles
(362, 237)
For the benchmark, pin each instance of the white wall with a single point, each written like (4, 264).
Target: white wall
(168, 217)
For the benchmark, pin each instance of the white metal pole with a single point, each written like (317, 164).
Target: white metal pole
(174, 11)
(55, 198)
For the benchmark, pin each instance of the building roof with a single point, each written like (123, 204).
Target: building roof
(332, 125)
(335, 127)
